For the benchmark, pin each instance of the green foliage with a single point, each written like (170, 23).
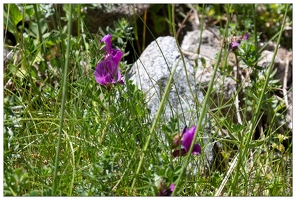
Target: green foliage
(12, 16)
(248, 53)
(270, 18)
(15, 183)
(121, 34)
(159, 20)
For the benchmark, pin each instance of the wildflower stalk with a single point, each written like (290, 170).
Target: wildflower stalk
(78, 10)
(238, 97)
(202, 114)
(108, 117)
(158, 114)
(244, 145)
(201, 25)
(64, 86)
(39, 32)
(255, 31)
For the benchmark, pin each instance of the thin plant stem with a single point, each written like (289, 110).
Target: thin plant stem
(255, 31)
(135, 27)
(170, 19)
(64, 89)
(265, 45)
(144, 29)
(39, 32)
(238, 97)
(78, 10)
(201, 29)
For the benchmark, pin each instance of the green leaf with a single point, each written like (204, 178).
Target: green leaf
(14, 14)
(203, 62)
(34, 193)
(29, 10)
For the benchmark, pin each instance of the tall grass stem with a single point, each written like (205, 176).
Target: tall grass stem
(64, 89)
(39, 31)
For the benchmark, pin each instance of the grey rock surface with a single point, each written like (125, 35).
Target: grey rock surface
(151, 73)
(210, 45)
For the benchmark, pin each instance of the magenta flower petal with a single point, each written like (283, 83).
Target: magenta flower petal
(121, 82)
(107, 70)
(167, 192)
(246, 36)
(107, 40)
(172, 187)
(116, 56)
(196, 149)
(234, 45)
(186, 141)
(188, 137)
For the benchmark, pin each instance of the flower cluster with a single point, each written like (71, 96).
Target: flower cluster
(235, 41)
(107, 71)
(185, 139)
(165, 191)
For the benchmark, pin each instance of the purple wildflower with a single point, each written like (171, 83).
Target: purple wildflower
(172, 187)
(234, 45)
(107, 71)
(167, 192)
(237, 40)
(246, 36)
(187, 138)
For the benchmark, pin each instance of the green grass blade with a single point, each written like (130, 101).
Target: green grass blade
(64, 89)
